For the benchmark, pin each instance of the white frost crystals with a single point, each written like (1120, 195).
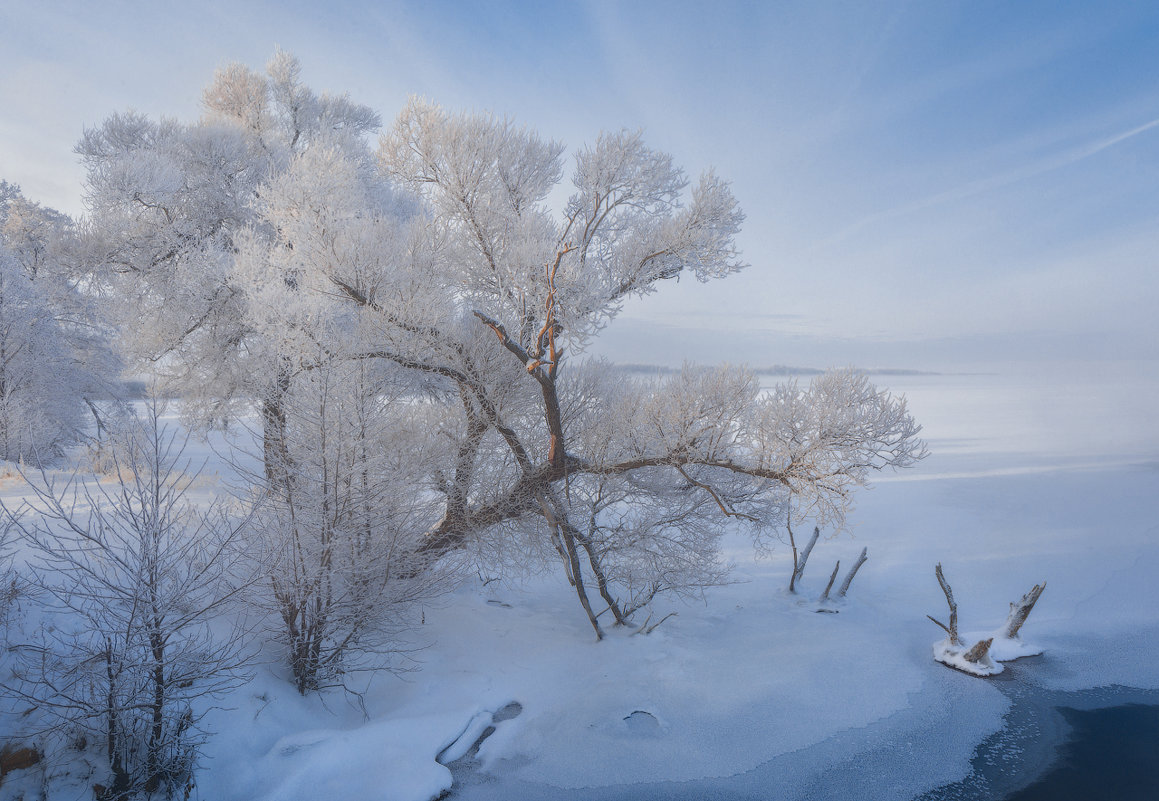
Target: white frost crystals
(55, 360)
(270, 244)
(988, 652)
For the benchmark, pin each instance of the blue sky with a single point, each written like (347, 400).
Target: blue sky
(925, 182)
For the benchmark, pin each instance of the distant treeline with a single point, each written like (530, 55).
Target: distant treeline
(776, 369)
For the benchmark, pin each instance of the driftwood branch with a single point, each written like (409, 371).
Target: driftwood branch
(978, 652)
(1020, 610)
(853, 572)
(952, 629)
(934, 620)
(832, 578)
(799, 564)
(645, 629)
(977, 660)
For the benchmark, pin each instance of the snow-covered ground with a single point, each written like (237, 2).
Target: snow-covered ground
(1037, 473)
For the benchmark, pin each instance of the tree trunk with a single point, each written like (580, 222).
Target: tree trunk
(122, 782)
(156, 734)
(832, 578)
(573, 561)
(275, 452)
(580, 589)
(799, 566)
(853, 572)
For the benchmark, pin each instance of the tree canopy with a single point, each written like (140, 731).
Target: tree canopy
(270, 240)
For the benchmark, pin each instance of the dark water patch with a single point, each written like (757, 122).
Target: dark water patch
(1111, 753)
(1101, 743)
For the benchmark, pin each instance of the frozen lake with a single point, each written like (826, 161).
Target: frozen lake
(1037, 472)
(1029, 415)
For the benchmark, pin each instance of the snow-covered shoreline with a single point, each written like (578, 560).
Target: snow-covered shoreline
(755, 688)
(753, 694)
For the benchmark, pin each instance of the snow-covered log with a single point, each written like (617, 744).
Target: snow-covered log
(979, 651)
(975, 660)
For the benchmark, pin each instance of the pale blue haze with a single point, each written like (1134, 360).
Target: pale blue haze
(925, 183)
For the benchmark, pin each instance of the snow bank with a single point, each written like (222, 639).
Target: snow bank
(957, 657)
(391, 761)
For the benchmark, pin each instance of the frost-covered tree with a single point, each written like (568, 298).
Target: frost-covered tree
(180, 224)
(54, 355)
(345, 563)
(136, 577)
(488, 300)
(443, 259)
(167, 201)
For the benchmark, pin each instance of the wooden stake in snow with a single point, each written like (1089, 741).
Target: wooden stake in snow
(852, 572)
(799, 565)
(1020, 610)
(832, 578)
(952, 629)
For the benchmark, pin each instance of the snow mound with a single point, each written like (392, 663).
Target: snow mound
(389, 761)
(1002, 649)
(1007, 649)
(954, 656)
(471, 735)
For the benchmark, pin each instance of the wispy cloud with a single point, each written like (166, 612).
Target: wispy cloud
(991, 183)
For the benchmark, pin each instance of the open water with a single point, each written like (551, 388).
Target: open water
(1101, 743)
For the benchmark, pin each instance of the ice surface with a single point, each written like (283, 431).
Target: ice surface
(1037, 474)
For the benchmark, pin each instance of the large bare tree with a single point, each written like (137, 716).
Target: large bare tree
(488, 300)
(442, 258)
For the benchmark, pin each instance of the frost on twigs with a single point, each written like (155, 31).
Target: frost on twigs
(985, 656)
(268, 245)
(139, 587)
